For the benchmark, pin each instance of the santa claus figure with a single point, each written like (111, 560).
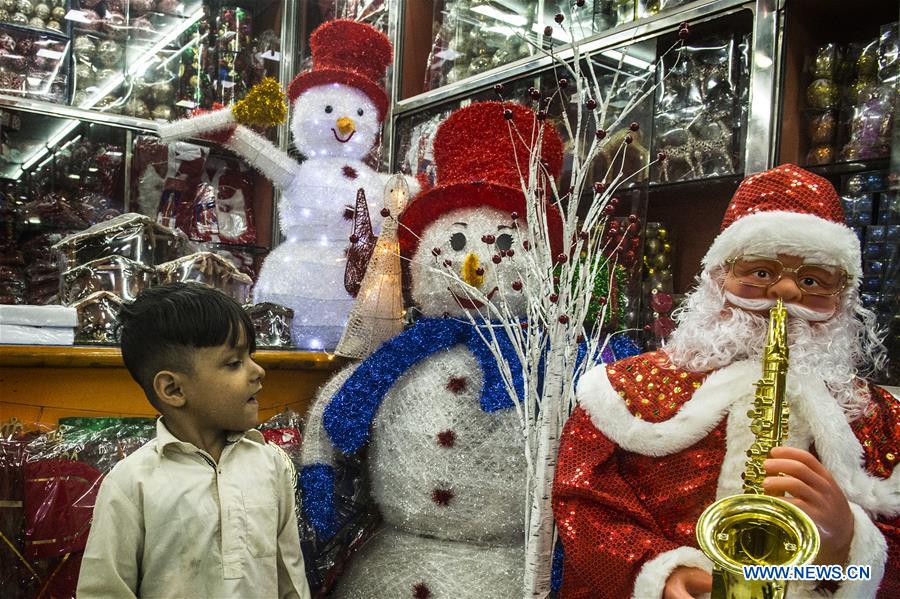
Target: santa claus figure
(658, 437)
(445, 447)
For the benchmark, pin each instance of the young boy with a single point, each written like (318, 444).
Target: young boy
(206, 509)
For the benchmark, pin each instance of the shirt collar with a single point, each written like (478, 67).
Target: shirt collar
(165, 438)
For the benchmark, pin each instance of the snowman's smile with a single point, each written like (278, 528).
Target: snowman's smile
(467, 303)
(337, 137)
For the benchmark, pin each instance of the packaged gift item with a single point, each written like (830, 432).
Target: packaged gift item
(185, 173)
(658, 298)
(149, 168)
(699, 108)
(208, 268)
(272, 324)
(98, 318)
(116, 274)
(131, 236)
(222, 208)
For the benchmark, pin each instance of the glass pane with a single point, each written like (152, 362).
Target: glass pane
(33, 63)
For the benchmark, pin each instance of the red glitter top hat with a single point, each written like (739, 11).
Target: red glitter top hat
(479, 163)
(787, 210)
(350, 53)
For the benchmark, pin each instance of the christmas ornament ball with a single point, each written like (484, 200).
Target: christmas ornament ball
(115, 26)
(163, 92)
(141, 7)
(54, 25)
(25, 7)
(822, 94)
(42, 11)
(37, 23)
(168, 7)
(138, 108)
(820, 155)
(162, 113)
(84, 76)
(8, 5)
(18, 19)
(7, 43)
(4, 15)
(822, 128)
(84, 49)
(58, 13)
(109, 52)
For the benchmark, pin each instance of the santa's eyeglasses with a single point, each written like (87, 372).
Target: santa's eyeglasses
(812, 279)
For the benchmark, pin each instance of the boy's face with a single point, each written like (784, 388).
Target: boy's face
(220, 394)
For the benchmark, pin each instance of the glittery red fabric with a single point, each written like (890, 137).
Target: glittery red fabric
(351, 53)
(479, 164)
(786, 188)
(616, 510)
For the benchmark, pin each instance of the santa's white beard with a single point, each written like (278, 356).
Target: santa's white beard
(712, 334)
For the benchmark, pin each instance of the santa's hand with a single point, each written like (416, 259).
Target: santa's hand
(812, 488)
(687, 583)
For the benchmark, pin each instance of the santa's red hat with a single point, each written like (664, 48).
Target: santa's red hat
(787, 210)
(350, 53)
(479, 162)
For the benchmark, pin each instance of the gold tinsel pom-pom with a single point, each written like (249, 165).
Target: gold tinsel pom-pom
(264, 105)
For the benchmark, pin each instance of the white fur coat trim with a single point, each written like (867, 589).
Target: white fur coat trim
(653, 575)
(837, 447)
(793, 233)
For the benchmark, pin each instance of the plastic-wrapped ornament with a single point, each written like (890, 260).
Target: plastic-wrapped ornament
(41, 11)
(140, 7)
(142, 28)
(4, 15)
(54, 25)
(7, 43)
(26, 7)
(822, 128)
(820, 155)
(8, 5)
(84, 49)
(138, 108)
(84, 76)
(109, 53)
(169, 7)
(58, 13)
(822, 94)
(163, 92)
(856, 185)
(89, 3)
(825, 62)
(116, 6)
(18, 19)
(25, 47)
(91, 22)
(162, 113)
(37, 23)
(115, 26)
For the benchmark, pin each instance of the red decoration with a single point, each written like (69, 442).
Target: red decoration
(350, 53)
(457, 384)
(442, 496)
(421, 591)
(446, 438)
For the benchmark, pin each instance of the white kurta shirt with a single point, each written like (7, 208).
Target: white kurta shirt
(170, 522)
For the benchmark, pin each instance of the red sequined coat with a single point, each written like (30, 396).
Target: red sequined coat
(650, 446)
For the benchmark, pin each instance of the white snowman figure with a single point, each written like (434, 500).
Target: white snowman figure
(446, 456)
(337, 109)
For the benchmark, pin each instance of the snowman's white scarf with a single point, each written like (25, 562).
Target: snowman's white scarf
(349, 415)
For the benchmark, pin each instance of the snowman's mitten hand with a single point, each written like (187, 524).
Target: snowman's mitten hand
(317, 487)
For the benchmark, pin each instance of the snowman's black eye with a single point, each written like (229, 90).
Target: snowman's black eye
(504, 242)
(328, 109)
(360, 112)
(457, 241)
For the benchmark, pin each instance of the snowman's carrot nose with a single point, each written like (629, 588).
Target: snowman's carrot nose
(345, 125)
(471, 271)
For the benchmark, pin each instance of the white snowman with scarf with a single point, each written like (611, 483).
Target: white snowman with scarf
(337, 110)
(445, 449)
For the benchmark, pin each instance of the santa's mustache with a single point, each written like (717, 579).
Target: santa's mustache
(795, 310)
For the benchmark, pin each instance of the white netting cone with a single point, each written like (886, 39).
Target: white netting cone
(377, 314)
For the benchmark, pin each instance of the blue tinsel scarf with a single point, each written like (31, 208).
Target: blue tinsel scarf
(348, 416)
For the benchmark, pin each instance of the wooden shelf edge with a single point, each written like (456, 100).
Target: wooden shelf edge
(82, 356)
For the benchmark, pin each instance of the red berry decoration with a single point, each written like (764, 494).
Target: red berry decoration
(548, 31)
(488, 239)
(479, 271)
(601, 133)
(591, 103)
(510, 252)
(354, 238)
(448, 263)
(684, 32)
(579, 338)
(556, 281)
(601, 300)
(634, 126)
(498, 89)
(514, 215)
(579, 3)
(661, 156)
(496, 259)
(541, 115)
(563, 319)
(647, 328)
(517, 285)
(558, 17)
(614, 201)
(583, 235)
(599, 186)
(523, 325)
(632, 218)
(508, 114)
(385, 212)
(609, 209)
(535, 94)
(563, 83)
(436, 251)
(553, 297)
(629, 139)
(562, 258)
(661, 302)
(526, 244)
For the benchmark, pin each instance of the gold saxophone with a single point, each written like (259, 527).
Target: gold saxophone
(753, 529)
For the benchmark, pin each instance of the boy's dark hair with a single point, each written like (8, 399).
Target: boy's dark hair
(161, 326)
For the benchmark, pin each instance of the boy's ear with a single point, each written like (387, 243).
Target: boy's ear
(168, 388)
